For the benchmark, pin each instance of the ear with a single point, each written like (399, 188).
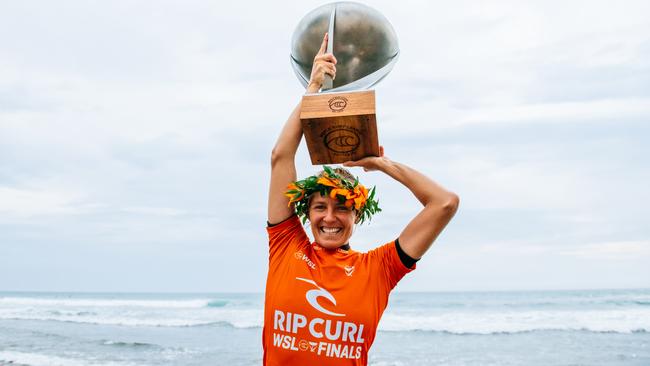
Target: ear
(357, 217)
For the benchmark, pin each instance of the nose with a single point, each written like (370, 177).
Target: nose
(329, 215)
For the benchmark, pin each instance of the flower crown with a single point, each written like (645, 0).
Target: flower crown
(351, 194)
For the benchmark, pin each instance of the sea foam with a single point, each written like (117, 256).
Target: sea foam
(480, 314)
(38, 359)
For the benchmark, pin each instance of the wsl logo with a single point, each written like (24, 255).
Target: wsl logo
(303, 257)
(337, 104)
(342, 140)
(313, 295)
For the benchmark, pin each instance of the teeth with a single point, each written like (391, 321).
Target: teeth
(330, 230)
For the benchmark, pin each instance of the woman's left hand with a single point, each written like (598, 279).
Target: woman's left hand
(369, 163)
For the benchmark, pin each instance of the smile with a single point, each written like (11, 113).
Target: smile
(330, 230)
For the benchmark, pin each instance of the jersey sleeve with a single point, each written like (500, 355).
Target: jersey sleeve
(389, 265)
(285, 237)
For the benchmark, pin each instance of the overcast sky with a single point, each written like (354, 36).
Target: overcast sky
(135, 139)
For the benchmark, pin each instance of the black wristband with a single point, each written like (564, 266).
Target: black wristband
(406, 259)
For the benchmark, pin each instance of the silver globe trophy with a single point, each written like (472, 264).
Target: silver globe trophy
(339, 123)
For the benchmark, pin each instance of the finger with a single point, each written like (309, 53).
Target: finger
(326, 69)
(331, 70)
(329, 57)
(363, 162)
(324, 65)
(323, 46)
(355, 163)
(381, 151)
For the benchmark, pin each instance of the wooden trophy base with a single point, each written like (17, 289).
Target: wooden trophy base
(339, 126)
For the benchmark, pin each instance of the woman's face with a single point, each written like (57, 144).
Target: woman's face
(331, 222)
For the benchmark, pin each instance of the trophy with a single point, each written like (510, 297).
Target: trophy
(339, 122)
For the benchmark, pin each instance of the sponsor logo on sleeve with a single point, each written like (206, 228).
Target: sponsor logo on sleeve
(349, 270)
(303, 257)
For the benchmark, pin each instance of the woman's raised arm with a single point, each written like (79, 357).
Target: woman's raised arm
(283, 167)
(439, 204)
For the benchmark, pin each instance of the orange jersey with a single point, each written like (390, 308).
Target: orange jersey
(322, 306)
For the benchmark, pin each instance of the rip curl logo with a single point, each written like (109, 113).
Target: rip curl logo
(303, 257)
(337, 104)
(313, 295)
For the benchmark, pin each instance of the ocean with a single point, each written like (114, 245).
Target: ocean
(594, 327)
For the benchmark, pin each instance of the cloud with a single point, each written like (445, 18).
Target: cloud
(154, 211)
(25, 203)
(129, 132)
(611, 251)
(565, 112)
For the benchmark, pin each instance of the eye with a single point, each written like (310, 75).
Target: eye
(342, 208)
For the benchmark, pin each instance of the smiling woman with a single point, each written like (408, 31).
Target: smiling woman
(323, 300)
(340, 203)
(331, 221)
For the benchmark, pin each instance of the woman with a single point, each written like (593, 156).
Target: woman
(324, 300)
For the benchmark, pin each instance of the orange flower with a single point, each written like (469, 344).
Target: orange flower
(291, 192)
(340, 191)
(327, 181)
(356, 197)
(363, 190)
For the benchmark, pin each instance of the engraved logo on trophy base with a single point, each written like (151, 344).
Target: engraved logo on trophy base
(341, 139)
(338, 103)
(338, 136)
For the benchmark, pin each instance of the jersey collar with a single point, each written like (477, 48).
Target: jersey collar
(345, 248)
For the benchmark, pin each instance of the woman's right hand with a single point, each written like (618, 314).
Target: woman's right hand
(324, 63)
(369, 163)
